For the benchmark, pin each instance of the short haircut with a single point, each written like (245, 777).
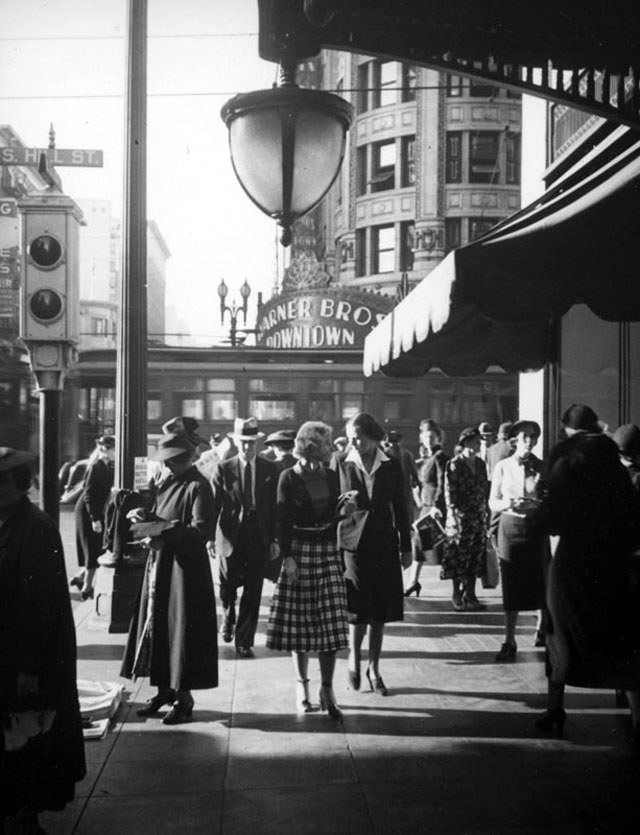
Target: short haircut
(368, 425)
(313, 440)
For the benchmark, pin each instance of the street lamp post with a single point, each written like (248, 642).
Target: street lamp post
(234, 309)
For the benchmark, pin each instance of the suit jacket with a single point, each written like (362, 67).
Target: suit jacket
(387, 505)
(228, 509)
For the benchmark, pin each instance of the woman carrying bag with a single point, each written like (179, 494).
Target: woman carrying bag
(521, 541)
(374, 570)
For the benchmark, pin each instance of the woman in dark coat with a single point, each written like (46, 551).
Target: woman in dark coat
(593, 628)
(38, 771)
(89, 513)
(374, 570)
(431, 471)
(173, 632)
(466, 490)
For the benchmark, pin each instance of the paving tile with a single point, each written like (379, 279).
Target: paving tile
(186, 814)
(171, 777)
(301, 810)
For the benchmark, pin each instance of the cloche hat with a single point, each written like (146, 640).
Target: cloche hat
(172, 446)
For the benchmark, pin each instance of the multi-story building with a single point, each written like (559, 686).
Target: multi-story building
(433, 161)
(100, 270)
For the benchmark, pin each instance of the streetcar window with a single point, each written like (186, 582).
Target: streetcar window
(221, 406)
(221, 384)
(272, 409)
(193, 407)
(154, 409)
(278, 385)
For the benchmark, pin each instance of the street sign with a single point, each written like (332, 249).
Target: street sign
(55, 156)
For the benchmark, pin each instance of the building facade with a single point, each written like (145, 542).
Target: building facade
(433, 161)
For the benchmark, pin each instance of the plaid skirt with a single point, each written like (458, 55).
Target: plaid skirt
(310, 615)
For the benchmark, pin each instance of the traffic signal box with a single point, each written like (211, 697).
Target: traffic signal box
(49, 282)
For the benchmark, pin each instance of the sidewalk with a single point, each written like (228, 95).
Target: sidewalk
(452, 749)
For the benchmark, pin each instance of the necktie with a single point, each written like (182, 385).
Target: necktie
(247, 491)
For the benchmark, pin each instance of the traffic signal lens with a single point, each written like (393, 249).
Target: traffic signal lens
(45, 251)
(45, 305)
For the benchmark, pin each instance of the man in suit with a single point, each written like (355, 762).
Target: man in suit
(244, 490)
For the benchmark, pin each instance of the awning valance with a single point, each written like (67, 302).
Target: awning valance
(492, 301)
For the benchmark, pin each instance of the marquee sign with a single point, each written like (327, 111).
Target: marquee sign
(321, 318)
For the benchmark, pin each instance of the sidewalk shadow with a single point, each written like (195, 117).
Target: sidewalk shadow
(100, 652)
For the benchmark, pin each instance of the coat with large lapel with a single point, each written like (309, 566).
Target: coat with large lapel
(227, 494)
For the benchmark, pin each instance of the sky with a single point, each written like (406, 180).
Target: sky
(63, 62)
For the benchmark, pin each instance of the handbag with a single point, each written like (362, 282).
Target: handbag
(429, 537)
(350, 530)
(491, 574)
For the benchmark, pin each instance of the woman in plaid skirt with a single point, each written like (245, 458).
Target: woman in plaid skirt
(309, 605)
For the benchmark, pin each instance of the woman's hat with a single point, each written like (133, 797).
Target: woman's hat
(12, 458)
(485, 429)
(107, 441)
(578, 417)
(184, 425)
(282, 436)
(172, 446)
(468, 433)
(246, 429)
(627, 438)
(529, 427)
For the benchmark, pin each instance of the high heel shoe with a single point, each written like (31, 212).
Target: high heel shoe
(78, 582)
(328, 702)
(302, 697)
(552, 718)
(414, 587)
(376, 684)
(354, 679)
(154, 704)
(181, 712)
(87, 594)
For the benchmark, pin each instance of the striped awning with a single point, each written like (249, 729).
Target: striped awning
(493, 301)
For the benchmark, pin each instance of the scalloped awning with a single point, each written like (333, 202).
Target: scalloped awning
(492, 302)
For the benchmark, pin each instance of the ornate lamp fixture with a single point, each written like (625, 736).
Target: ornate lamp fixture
(234, 310)
(287, 145)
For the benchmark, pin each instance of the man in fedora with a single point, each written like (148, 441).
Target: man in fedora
(244, 490)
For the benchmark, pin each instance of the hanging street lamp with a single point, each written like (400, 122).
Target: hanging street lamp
(287, 145)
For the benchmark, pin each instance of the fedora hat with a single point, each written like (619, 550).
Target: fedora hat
(246, 429)
(172, 446)
(282, 436)
(11, 458)
(530, 427)
(184, 425)
(627, 438)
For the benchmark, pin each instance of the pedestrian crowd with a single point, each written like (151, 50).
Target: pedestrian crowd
(334, 523)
